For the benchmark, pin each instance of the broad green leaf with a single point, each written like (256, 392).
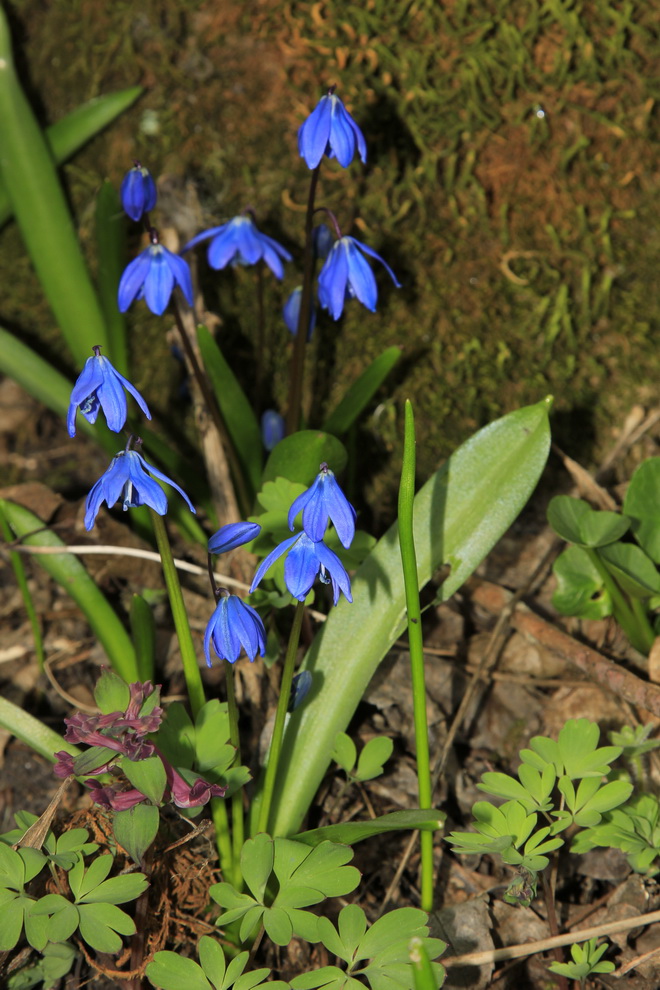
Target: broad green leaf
(99, 924)
(111, 261)
(12, 921)
(580, 586)
(143, 634)
(352, 924)
(299, 457)
(565, 515)
(111, 693)
(257, 864)
(278, 925)
(460, 513)
(635, 572)
(503, 785)
(36, 927)
(322, 868)
(70, 133)
(361, 392)
(344, 752)
(250, 922)
(148, 776)
(12, 868)
(352, 832)
(212, 746)
(395, 927)
(171, 971)
(135, 829)
(67, 570)
(600, 528)
(33, 189)
(373, 757)
(34, 861)
(236, 409)
(331, 977)
(83, 881)
(176, 736)
(642, 506)
(31, 731)
(212, 960)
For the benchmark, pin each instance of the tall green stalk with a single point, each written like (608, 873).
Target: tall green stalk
(237, 817)
(280, 716)
(414, 616)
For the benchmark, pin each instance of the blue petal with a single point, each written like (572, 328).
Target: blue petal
(93, 504)
(301, 567)
(340, 511)
(159, 281)
(224, 247)
(300, 502)
(271, 558)
(204, 236)
(273, 429)
(374, 254)
(90, 378)
(332, 281)
(342, 138)
(314, 134)
(233, 535)
(338, 573)
(163, 477)
(360, 276)
(182, 276)
(134, 392)
(113, 401)
(138, 192)
(133, 279)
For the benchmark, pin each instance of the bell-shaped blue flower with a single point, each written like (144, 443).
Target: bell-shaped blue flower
(346, 274)
(291, 313)
(305, 561)
(239, 242)
(330, 130)
(152, 277)
(324, 501)
(234, 626)
(138, 192)
(100, 386)
(322, 241)
(130, 478)
(233, 535)
(273, 428)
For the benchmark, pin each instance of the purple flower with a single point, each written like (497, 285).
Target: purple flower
(138, 192)
(152, 277)
(307, 559)
(233, 627)
(330, 130)
(324, 501)
(233, 535)
(129, 477)
(100, 386)
(187, 795)
(239, 242)
(346, 274)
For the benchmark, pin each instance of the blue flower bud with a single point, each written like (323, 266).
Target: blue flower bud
(273, 429)
(138, 192)
(291, 313)
(233, 535)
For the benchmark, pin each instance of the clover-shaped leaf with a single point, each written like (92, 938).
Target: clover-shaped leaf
(580, 587)
(321, 868)
(576, 522)
(345, 752)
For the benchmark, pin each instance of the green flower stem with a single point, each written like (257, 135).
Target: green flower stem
(280, 716)
(639, 633)
(237, 817)
(298, 357)
(409, 564)
(192, 676)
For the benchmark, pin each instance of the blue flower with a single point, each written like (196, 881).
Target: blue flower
(238, 242)
(138, 192)
(152, 276)
(291, 313)
(346, 274)
(233, 535)
(322, 240)
(234, 626)
(100, 386)
(305, 560)
(273, 428)
(330, 130)
(324, 501)
(129, 477)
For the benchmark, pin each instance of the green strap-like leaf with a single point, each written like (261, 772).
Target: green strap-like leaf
(67, 570)
(352, 832)
(32, 185)
(361, 392)
(460, 513)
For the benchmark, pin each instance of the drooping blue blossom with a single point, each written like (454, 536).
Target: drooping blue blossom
(152, 277)
(305, 561)
(330, 130)
(234, 626)
(130, 478)
(347, 274)
(233, 535)
(239, 242)
(100, 386)
(323, 501)
(291, 313)
(322, 241)
(273, 428)
(138, 192)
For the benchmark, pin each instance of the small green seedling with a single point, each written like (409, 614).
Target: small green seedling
(586, 960)
(373, 757)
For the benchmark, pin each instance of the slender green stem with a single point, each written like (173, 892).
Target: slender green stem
(298, 357)
(280, 716)
(192, 676)
(188, 656)
(638, 635)
(409, 564)
(237, 817)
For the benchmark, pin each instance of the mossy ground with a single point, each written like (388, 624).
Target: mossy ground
(512, 184)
